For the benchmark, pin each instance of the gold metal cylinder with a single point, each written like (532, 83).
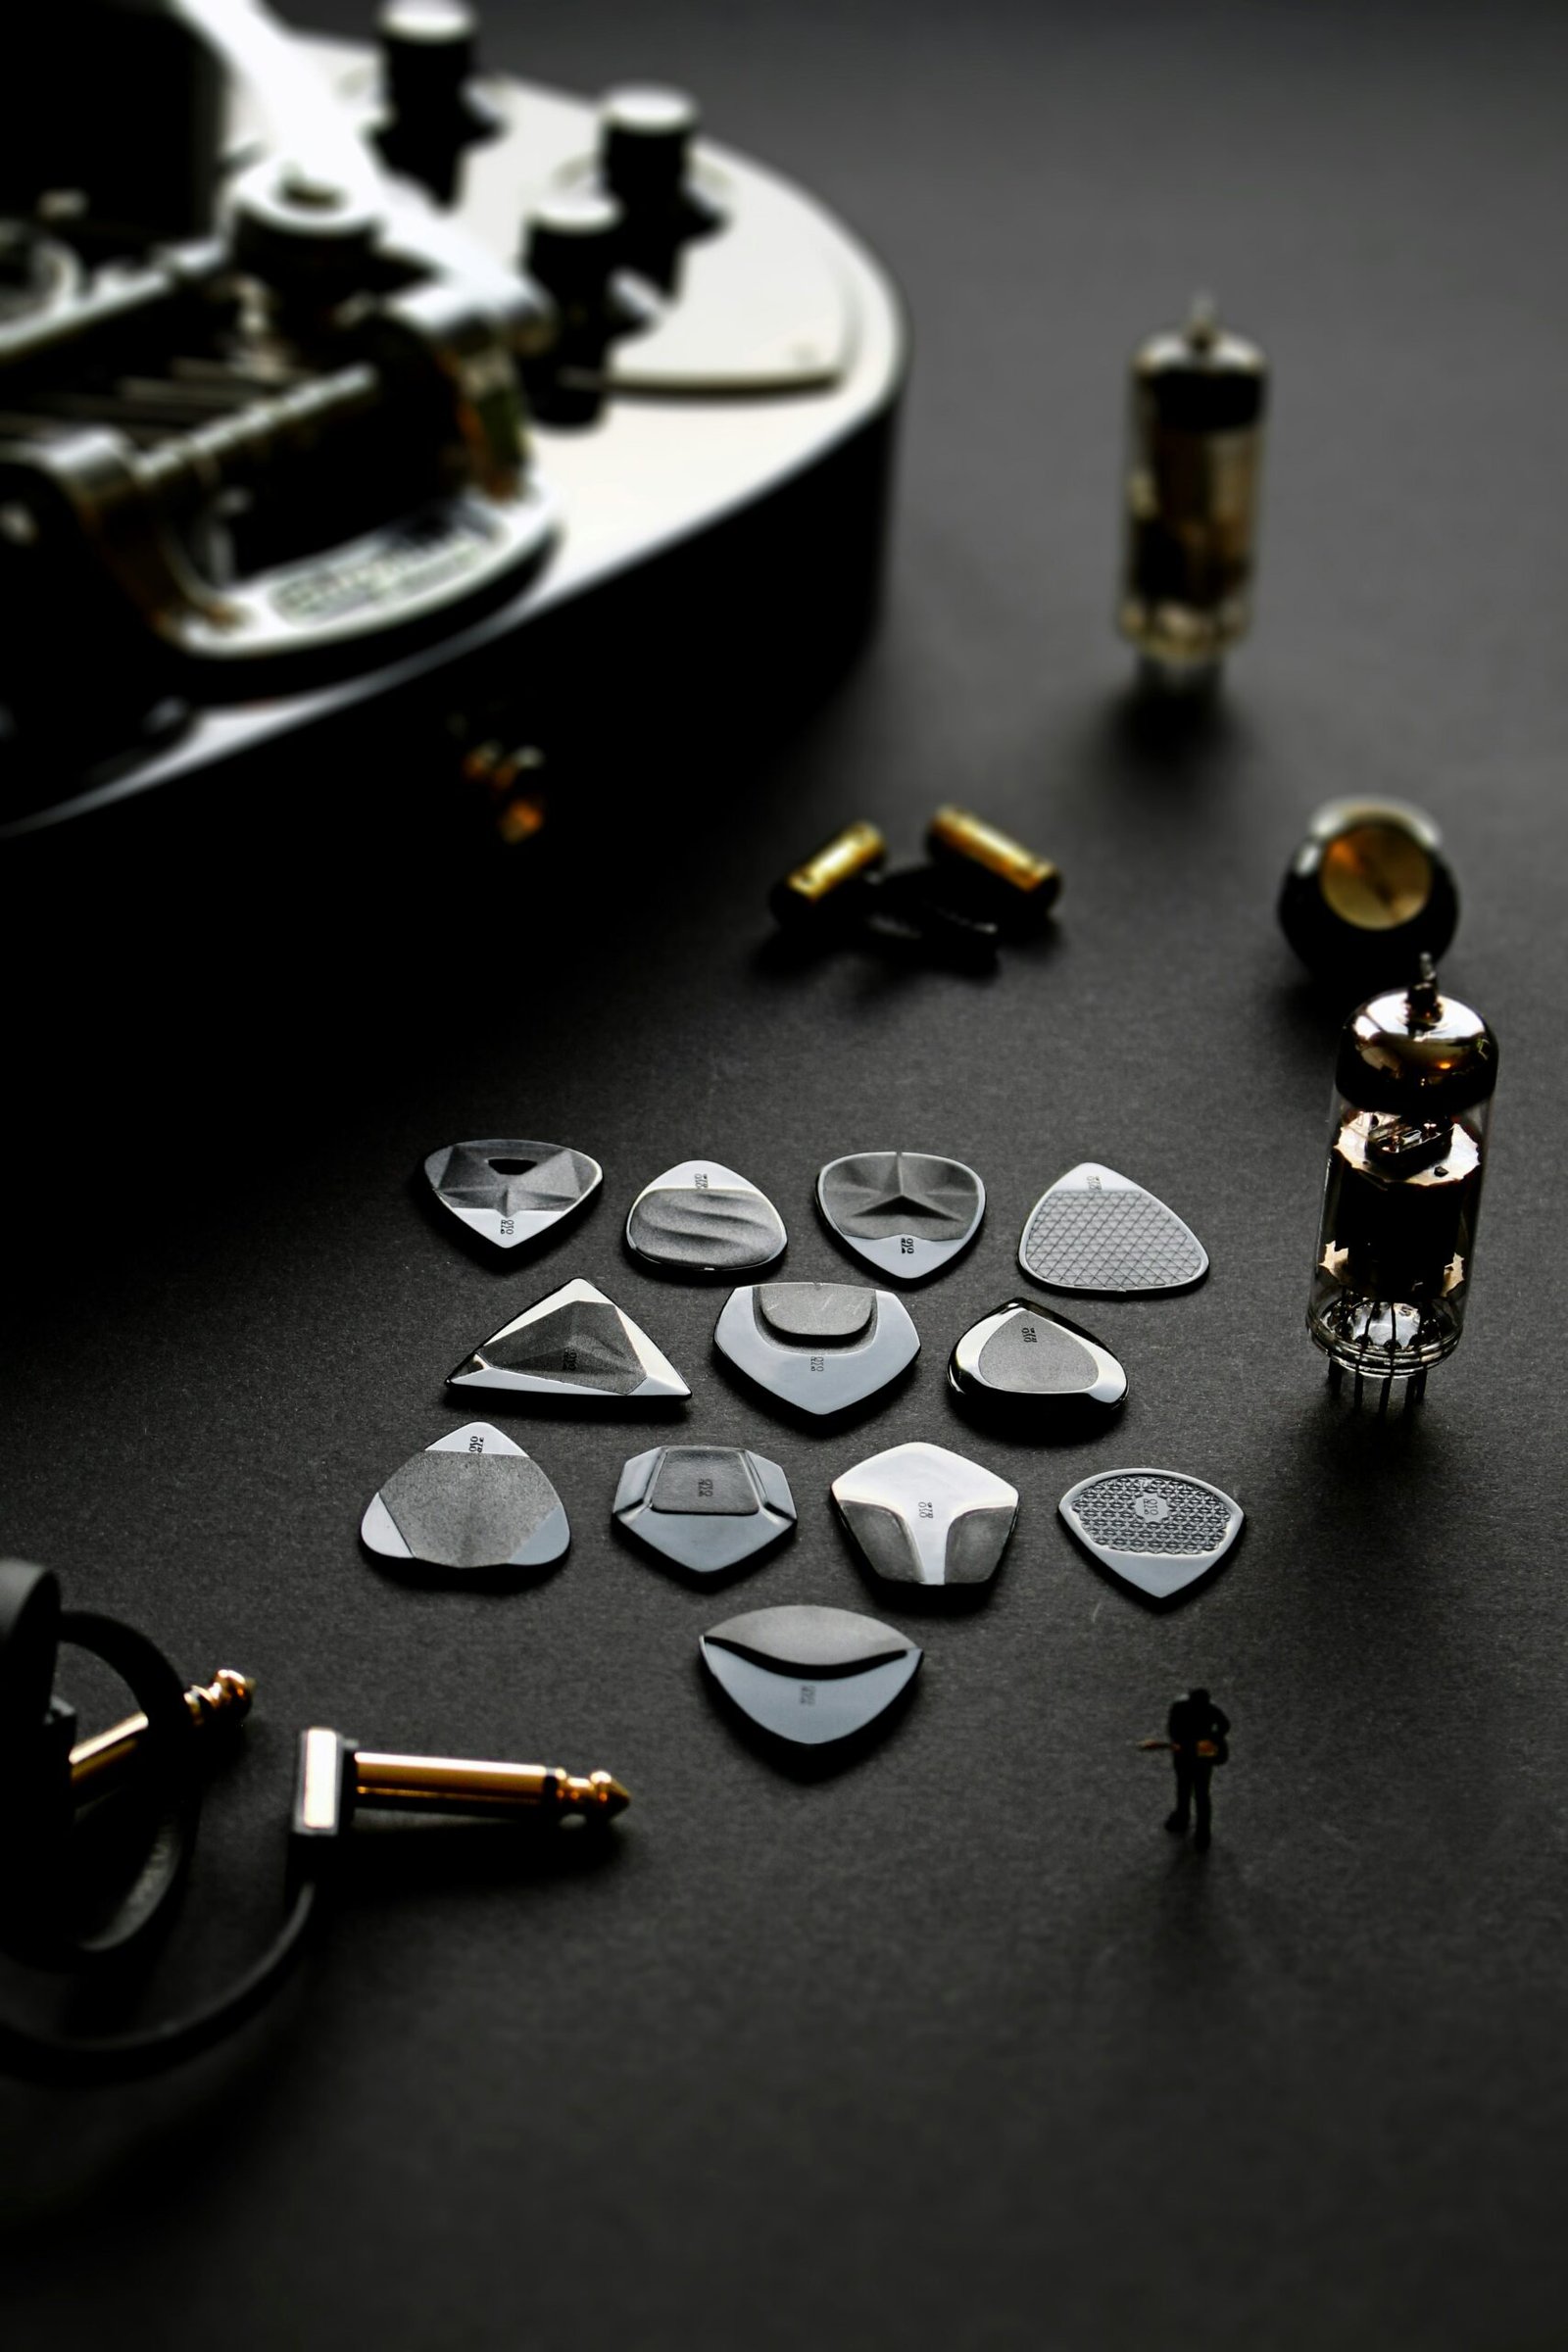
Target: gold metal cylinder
(957, 834)
(100, 1763)
(452, 1783)
(851, 855)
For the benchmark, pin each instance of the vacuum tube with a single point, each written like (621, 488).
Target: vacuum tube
(1407, 1146)
(1195, 457)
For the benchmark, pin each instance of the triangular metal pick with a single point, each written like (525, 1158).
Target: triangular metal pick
(510, 1191)
(904, 1212)
(1028, 1366)
(924, 1516)
(474, 1499)
(706, 1507)
(809, 1675)
(698, 1218)
(821, 1346)
(1159, 1529)
(576, 1342)
(1097, 1232)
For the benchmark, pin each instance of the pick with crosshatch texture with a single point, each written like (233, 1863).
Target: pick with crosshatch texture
(924, 1516)
(510, 1191)
(471, 1501)
(699, 1218)
(809, 1675)
(705, 1507)
(576, 1342)
(904, 1212)
(1102, 1234)
(1158, 1530)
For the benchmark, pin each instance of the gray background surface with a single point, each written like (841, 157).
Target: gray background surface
(954, 2048)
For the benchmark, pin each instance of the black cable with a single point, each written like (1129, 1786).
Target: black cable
(42, 1922)
(121, 2057)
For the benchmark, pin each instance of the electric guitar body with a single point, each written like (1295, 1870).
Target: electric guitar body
(429, 455)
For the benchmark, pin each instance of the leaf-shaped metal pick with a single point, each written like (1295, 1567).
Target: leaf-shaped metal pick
(1101, 1233)
(474, 1499)
(809, 1675)
(1158, 1530)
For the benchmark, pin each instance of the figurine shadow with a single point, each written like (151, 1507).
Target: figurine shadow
(809, 1766)
(428, 1575)
(479, 1251)
(700, 1579)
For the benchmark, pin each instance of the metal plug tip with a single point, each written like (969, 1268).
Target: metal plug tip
(609, 1794)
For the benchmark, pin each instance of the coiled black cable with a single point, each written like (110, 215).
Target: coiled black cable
(43, 1918)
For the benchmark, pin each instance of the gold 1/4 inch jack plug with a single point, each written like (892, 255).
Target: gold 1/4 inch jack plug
(337, 1779)
(102, 1762)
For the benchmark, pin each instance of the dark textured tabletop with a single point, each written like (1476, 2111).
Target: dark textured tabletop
(953, 2047)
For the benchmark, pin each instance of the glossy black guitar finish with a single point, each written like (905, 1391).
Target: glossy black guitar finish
(270, 498)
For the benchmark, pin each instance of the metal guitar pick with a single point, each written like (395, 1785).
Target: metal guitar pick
(706, 1507)
(512, 1192)
(821, 1346)
(1159, 1529)
(699, 1218)
(1032, 1368)
(809, 1675)
(924, 1516)
(474, 1499)
(906, 1212)
(573, 1344)
(1097, 1232)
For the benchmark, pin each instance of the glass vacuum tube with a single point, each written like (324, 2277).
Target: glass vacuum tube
(1194, 457)
(1408, 1146)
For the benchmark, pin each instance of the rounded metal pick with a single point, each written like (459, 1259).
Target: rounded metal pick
(1101, 1233)
(821, 1346)
(699, 1218)
(809, 1675)
(471, 1501)
(705, 1507)
(1158, 1530)
(1028, 1366)
(924, 1516)
(904, 1212)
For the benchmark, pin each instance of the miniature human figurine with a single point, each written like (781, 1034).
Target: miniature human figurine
(1195, 1734)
